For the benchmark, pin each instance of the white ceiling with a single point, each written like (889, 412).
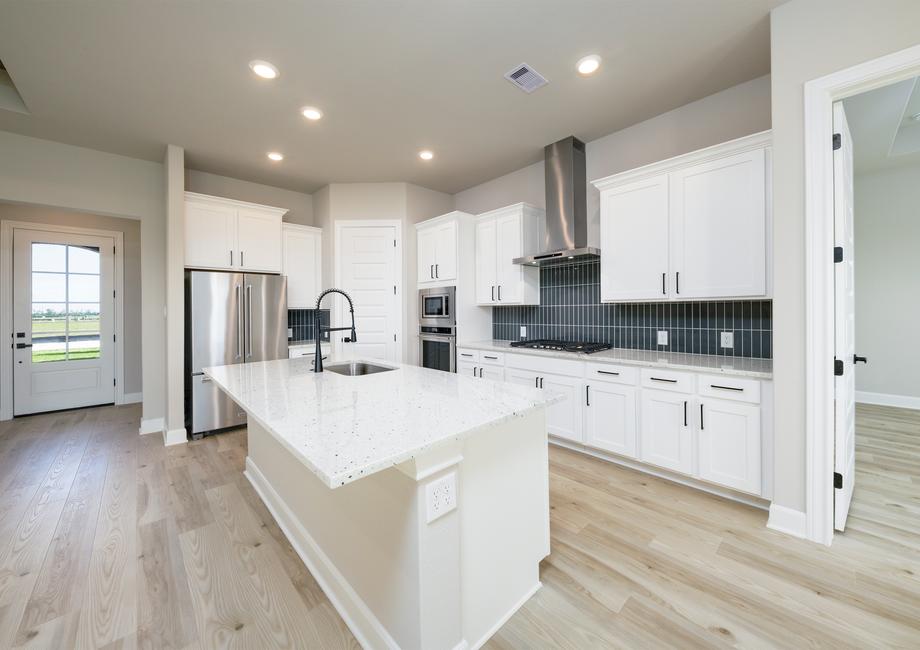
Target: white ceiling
(391, 76)
(884, 133)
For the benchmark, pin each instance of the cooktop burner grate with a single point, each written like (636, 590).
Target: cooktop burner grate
(562, 346)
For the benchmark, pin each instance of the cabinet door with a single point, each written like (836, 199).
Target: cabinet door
(426, 251)
(446, 246)
(259, 238)
(729, 443)
(510, 245)
(634, 241)
(210, 236)
(522, 377)
(486, 247)
(495, 373)
(467, 369)
(666, 438)
(610, 418)
(718, 228)
(302, 264)
(563, 419)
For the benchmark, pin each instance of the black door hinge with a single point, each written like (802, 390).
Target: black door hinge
(838, 254)
(838, 142)
(838, 367)
(114, 382)
(838, 480)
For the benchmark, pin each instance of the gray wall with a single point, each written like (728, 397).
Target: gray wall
(887, 219)
(810, 39)
(131, 229)
(299, 205)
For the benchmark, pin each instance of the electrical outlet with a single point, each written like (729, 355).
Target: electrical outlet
(523, 331)
(662, 337)
(290, 332)
(441, 496)
(728, 339)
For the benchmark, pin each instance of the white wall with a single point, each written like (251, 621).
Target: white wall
(810, 39)
(46, 173)
(887, 219)
(174, 190)
(298, 204)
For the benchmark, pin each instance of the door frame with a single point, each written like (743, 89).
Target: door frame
(820, 95)
(402, 305)
(6, 302)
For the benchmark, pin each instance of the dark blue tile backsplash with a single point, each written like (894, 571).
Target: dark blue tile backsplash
(302, 321)
(570, 309)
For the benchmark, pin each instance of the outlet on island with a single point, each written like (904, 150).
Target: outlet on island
(728, 339)
(662, 337)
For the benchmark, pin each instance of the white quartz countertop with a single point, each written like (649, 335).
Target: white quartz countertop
(344, 428)
(740, 366)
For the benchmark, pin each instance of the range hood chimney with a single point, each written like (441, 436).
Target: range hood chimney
(566, 237)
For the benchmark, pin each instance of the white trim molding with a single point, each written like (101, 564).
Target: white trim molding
(884, 399)
(151, 425)
(819, 97)
(174, 436)
(786, 520)
(132, 398)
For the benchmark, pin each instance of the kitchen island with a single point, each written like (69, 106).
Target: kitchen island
(418, 499)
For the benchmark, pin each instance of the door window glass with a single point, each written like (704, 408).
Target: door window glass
(65, 302)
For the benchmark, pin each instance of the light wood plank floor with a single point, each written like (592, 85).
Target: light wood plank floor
(110, 540)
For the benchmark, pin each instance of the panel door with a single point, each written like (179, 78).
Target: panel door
(495, 373)
(718, 228)
(486, 252)
(522, 377)
(510, 245)
(729, 444)
(259, 241)
(666, 437)
(210, 236)
(467, 369)
(426, 251)
(563, 419)
(634, 241)
(610, 418)
(445, 264)
(302, 264)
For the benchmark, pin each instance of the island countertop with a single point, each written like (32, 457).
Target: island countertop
(344, 428)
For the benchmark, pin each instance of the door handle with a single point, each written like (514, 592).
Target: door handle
(231, 258)
(474, 371)
(242, 263)
(541, 382)
(536, 382)
(669, 381)
(248, 313)
(493, 293)
(587, 395)
(608, 372)
(239, 321)
(677, 282)
(499, 293)
(685, 412)
(20, 346)
(701, 418)
(663, 292)
(858, 359)
(436, 273)
(480, 373)
(431, 271)
(734, 388)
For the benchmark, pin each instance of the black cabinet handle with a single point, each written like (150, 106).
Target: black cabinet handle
(431, 271)
(669, 381)
(242, 263)
(20, 346)
(480, 373)
(587, 395)
(474, 371)
(485, 356)
(536, 382)
(701, 418)
(739, 390)
(465, 354)
(231, 258)
(663, 292)
(678, 281)
(541, 382)
(608, 372)
(499, 293)
(436, 274)
(493, 293)
(685, 412)
(858, 359)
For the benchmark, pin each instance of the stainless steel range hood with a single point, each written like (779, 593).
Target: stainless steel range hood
(566, 237)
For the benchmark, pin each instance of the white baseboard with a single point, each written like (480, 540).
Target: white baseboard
(504, 619)
(366, 627)
(883, 399)
(175, 436)
(151, 425)
(132, 398)
(789, 521)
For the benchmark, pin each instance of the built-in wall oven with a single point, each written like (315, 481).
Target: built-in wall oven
(437, 329)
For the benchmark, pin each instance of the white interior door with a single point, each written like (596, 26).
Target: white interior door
(367, 269)
(844, 322)
(63, 321)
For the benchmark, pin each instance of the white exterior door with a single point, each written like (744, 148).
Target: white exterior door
(666, 438)
(259, 239)
(63, 321)
(509, 246)
(486, 249)
(729, 443)
(367, 269)
(634, 240)
(844, 322)
(718, 228)
(210, 236)
(610, 418)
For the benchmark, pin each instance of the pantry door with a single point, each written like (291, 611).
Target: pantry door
(63, 320)
(368, 268)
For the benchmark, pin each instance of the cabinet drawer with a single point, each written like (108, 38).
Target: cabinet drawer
(541, 364)
(490, 358)
(465, 354)
(733, 388)
(680, 382)
(609, 372)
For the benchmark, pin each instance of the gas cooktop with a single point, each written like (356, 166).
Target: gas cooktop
(562, 346)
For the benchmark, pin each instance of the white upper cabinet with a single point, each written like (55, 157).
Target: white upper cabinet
(436, 251)
(232, 235)
(302, 263)
(691, 227)
(501, 236)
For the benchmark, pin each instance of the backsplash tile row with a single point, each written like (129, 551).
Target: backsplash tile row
(570, 309)
(302, 321)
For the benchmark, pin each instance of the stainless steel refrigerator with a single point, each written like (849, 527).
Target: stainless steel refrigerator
(229, 318)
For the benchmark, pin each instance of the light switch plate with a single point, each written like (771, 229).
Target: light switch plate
(728, 339)
(662, 337)
(523, 331)
(441, 496)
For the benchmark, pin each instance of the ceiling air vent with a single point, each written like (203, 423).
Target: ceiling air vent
(526, 78)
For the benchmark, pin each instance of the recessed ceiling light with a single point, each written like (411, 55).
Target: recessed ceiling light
(588, 64)
(264, 69)
(311, 112)
(424, 154)
(274, 155)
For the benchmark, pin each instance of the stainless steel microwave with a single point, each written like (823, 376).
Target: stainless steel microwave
(436, 307)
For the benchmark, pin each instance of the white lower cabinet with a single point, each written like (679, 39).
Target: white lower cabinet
(471, 369)
(467, 369)
(563, 418)
(667, 434)
(730, 444)
(495, 373)
(610, 418)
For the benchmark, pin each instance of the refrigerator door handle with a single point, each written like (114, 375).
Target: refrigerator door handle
(249, 318)
(239, 321)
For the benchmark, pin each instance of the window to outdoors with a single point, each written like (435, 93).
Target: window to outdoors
(65, 302)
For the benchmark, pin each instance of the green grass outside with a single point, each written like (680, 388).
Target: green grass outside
(61, 355)
(59, 326)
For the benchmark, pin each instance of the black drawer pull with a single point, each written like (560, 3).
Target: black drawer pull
(486, 356)
(20, 346)
(670, 381)
(465, 354)
(608, 372)
(740, 390)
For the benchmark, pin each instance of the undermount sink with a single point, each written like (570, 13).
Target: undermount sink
(356, 368)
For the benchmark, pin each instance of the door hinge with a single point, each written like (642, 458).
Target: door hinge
(838, 367)
(838, 142)
(114, 382)
(838, 480)
(838, 254)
